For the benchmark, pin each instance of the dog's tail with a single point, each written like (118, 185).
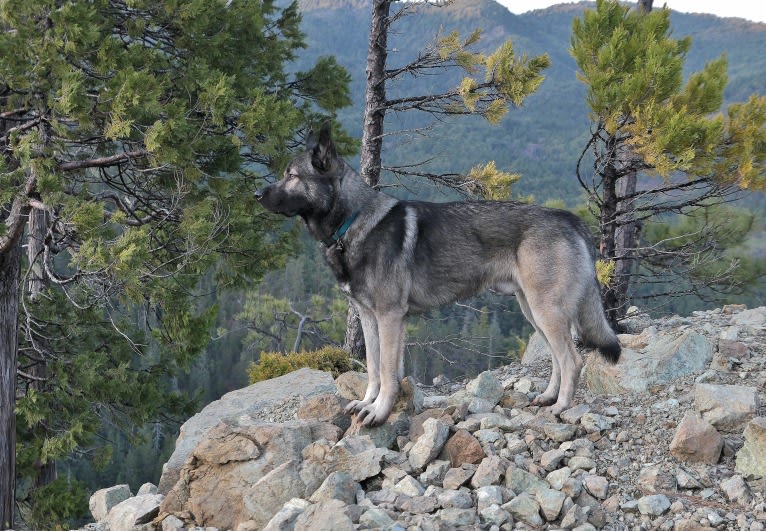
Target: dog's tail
(594, 329)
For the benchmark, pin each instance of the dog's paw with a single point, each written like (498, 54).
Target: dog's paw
(557, 408)
(543, 400)
(372, 415)
(355, 406)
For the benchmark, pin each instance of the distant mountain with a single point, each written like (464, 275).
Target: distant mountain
(543, 139)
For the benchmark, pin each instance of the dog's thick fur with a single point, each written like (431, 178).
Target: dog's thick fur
(394, 258)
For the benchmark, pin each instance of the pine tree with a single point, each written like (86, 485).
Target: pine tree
(646, 120)
(133, 134)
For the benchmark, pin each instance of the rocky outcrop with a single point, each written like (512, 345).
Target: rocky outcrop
(685, 449)
(251, 404)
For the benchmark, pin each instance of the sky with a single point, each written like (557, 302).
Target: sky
(750, 9)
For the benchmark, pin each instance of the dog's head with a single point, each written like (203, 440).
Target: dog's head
(308, 185)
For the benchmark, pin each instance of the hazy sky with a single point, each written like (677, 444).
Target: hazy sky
(749, 9)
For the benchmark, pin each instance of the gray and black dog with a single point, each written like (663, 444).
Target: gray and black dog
(394, 258)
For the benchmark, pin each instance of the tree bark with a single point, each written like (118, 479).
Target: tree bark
(372, 138)
(10, 265)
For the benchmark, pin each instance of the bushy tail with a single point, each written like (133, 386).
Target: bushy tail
(594, 329)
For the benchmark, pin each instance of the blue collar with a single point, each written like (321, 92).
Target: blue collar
(338, 234)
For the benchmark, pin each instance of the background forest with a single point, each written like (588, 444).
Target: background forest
(298, 306)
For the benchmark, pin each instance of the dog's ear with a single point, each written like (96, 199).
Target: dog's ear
(322, 149)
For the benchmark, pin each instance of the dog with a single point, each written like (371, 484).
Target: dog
(394, 258)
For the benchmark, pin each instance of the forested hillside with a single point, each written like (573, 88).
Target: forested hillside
(541, 140)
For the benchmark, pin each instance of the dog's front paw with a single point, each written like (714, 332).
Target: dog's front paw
(560, 406)
(355, 406)
(373, 415)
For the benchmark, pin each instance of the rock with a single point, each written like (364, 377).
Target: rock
(376, 519)
(383, 436)
(241, 407)
(416, 422)
(147, 488)
(581, 462)
(751, 458)
(355, 455)
(519, 480)
(557, 478)
(755, 318)
(326, 408)
(654, 504)
(661, 362)
(263, 499)
(726, 407)
(418, 504)
(494, 515)
(330, 515)
(435, 472)
(696, 440)
(733, 349)
(284, 519)
(351, 385)
(171, 523)
(524, 507)
(102, 501)
(559, 432)
(537, 350)
(230, 460)
(459, 499)
(409, 486)
(430, 444)
(594, 423)
(736, 490)
(455, 518)
(551, 501)
(486, 386)
(339, 485)
(655, 478)
(597, 486)
(489, 495)
(489, 472)
(128, 514)
(456, 477)
(463, 447)
(550, 460)
(574, 414)
(575, 517)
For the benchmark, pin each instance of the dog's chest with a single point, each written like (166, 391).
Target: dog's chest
(338, 260)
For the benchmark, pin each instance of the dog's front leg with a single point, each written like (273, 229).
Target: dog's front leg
(391, 333)
(372, 353)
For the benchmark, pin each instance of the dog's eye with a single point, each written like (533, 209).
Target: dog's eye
(291, 176)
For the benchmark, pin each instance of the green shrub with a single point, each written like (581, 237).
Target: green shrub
(273, 364)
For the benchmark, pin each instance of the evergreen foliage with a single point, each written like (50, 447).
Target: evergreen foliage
(141, 130)
(648, 121)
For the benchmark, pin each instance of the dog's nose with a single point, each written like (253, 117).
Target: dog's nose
(260, 193)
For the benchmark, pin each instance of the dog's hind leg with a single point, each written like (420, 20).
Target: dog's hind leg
(372, 353)
(391, 334)
(551, 393)
(557, 330)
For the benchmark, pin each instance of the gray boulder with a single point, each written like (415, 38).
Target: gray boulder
(243, 406)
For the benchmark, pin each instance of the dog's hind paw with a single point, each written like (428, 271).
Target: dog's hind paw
(542, 400)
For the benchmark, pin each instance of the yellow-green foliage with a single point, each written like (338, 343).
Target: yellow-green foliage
(273, 364)
(604, 271)
(493, 183)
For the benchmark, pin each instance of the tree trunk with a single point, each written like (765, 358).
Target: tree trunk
(626, 233)
(372, 138)
(37, 281)
(10, 264)
(607, 228)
